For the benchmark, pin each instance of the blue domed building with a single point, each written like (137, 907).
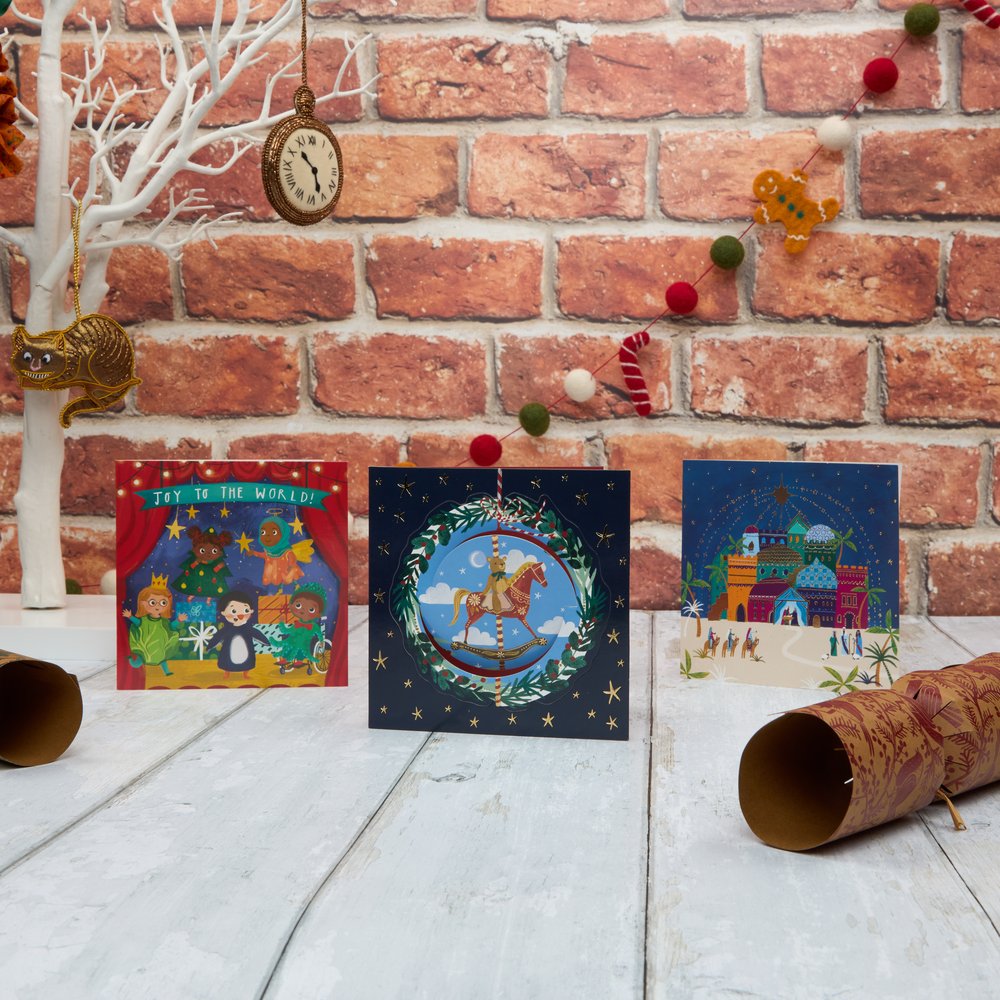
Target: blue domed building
(820, 543)
(817, 583)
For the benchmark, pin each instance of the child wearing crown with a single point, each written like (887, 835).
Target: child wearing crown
(152, 635)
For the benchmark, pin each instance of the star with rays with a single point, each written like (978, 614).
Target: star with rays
(581, 498)
(592, 714)
(612, 722)
(612, 692)
(174, 527)
(380, 661)
(512, 719)
(473, 723)
(417, 714)
(604, 537)
(547, 720)
(379, 596)
(613, 636)
(224, 511)
(244, 542)
(296, 525)
(192, 512)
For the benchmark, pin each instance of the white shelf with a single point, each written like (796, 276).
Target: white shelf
(83, 630)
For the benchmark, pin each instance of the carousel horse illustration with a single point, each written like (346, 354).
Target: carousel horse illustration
(516, 599)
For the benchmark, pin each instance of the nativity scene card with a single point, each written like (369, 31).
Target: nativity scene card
(790, 573)
(499, 601)
(231, 574)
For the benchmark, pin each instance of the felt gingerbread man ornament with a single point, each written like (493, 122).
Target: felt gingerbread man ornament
(783, 199)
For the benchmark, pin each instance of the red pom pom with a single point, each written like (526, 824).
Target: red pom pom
(682, 297)
(881, 75)
(485, 449)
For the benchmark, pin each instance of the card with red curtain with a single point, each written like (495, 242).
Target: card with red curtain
(231, 574)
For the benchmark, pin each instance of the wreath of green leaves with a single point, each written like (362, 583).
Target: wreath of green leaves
(552, 678)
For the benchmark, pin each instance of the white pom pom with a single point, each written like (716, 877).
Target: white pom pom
(580, 385)
(109, 582)
(835, 133)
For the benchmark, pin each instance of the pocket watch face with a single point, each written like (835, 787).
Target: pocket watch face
(309, 170)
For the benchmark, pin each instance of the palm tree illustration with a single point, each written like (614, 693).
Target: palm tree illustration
(871, 595)
(717, 571)
(688, 584)
(842, 540)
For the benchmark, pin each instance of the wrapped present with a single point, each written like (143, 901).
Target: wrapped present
(198, 609)
(273, 609)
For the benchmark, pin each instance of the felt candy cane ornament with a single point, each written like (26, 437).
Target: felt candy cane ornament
(634, 380)
(986, 13)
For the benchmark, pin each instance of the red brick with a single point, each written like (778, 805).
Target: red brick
(949, 378)
(88, 553)
(822, 74)
(88, 480)
(939, 173)
(357, 582)
(939, 484)
(709, 175)
(656, 461)
(10, 470)
(964, 577)
(392, 375)
(242, 103)
(192, 13)
(129, 64)
(996, 480)
(648, 76)
(617, 278)
(980, 69)
(218, 376)
(278, 279)
(558, 177)
(532, 369)
(395, 10)
(973, 293)
(398, 177)
(818, 379)
(99, 10)
(20, 192)
(850, 277)
(11, 395)
(427, 448)
(441, 78)
(576, 10)
(239, 189)
(455, 279)
(762, 8)
(654, 576)
(10, 562)
(358, 450)
(138, 279)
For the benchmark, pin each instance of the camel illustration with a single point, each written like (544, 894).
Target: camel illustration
(711, 645)
(749, 647)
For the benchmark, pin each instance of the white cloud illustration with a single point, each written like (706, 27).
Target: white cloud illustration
(557, 626)
(440, 593)
(476, 638)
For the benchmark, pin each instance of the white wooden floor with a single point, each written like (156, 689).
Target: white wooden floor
(229, 844)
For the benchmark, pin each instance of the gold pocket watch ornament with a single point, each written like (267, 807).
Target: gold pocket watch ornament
(94, 354)
(301, 166)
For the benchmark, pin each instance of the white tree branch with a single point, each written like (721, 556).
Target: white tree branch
(24, 18)
(18, 240)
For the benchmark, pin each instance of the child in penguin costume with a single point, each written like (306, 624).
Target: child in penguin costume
(237, 631)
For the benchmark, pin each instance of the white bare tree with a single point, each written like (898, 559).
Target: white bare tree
(132, 164)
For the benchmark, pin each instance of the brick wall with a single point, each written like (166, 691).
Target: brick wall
(518, 196)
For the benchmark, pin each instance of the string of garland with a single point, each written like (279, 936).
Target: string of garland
(782, 200)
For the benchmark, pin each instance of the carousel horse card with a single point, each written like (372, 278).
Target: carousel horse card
(499, 601)
(790, 573)
(231, 574)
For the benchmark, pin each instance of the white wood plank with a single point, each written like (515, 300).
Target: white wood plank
(977, 635)
(882, 914)
(497, 868)
(189, 883)
(124, 735)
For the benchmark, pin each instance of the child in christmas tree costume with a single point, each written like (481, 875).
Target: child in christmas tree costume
(204, 572)
(297, 645)
(281, 555)
(152, 636)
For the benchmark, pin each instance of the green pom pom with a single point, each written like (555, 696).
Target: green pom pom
(534, 419)
(73, 586)
(922, 19)
(727, 252)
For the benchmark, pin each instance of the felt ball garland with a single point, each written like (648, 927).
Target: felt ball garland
(727, 252)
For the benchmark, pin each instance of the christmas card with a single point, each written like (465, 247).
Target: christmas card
(499, 601)
(231, 574)
(790, 573)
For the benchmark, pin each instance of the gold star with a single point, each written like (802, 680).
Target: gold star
(417, 714)
(384, 709)
(619, 602)
(612, 692)
(565, 477)
(405, 487)
(174, 528)
(537, 483)
(407, 683)
(378, 482)
(379, 596)
(223, 511)
(623, 561)
(604, 537)
(381, 508)
(383, 548)
(591, 714)
(547, 720)
(443, 480)
(611, 484)
(244, 542)
(613, 636)
(576, 694)
(192, 512)
(389, 634)
(780, 494)
(620, 663)
(296, 525)
(380, 661)
(512, 719)
(474, 723)
(447, 709)
(425, 499)
(399, 516)
(612, 722)
(581, 498)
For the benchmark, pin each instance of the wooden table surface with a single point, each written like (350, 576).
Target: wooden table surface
(241, 844)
